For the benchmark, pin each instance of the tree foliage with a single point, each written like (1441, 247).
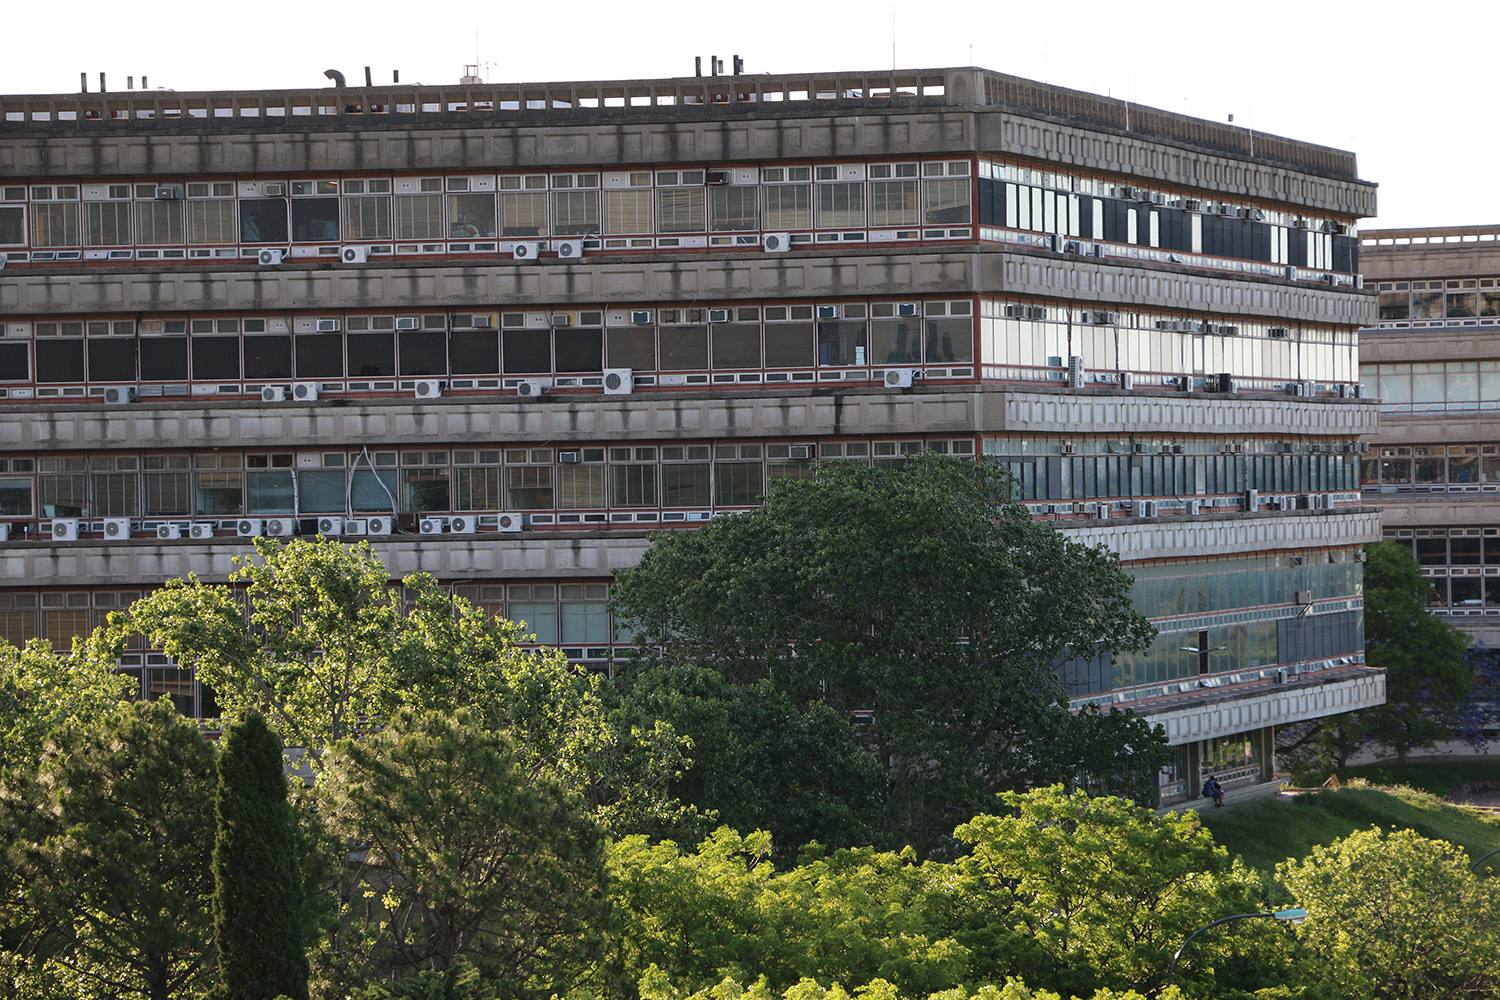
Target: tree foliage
(108, 853)
(258, 903)
(463, 859)
(43, 692)
(1395, 915)
(912, 594)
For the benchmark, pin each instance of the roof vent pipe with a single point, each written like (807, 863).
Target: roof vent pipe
(335, 76)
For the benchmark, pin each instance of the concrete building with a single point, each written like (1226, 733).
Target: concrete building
(508, 332)
(1433, 359)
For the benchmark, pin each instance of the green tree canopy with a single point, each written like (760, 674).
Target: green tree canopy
(463, 859)
(911, 594)
(1395, 915)
(43, 692)
(258, 903)
(108, 852)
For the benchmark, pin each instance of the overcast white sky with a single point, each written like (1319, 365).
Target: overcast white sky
(1405, 86)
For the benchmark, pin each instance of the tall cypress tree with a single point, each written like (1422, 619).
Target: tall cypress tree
(257, 886)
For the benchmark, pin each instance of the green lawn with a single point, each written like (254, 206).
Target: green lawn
(1438, 776)
(1272, 830)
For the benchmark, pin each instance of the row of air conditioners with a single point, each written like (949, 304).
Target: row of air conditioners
(355, 253)
(467, 524)
(307, 392)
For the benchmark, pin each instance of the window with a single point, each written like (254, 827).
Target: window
(315, 211)
(321, 483)
(733, 208)
(627, 210)
(269, 482)
(107, 223)
(789, 336)
(211, 213)
(681, 201)
(367, 210)
(893, 194)
(263, 220)
(159, 223)
(632, 477)
(788, 197)
(946, 194)
(534, 607)
(420, 216)
(841, 205)
(580, 483)
(16, 491)
(528, 479)
(167, 485)
(894, 340)
(12, 225)
(736, 342)
(684, 340)
(686, 475)
(63, 487)
(579, 347)
(54, 216)
(219, 486)
(737, 475)
(631, 345)
(585, 612)
(523, 205)
(842, 342)
(476, 480)
(424, 481)
(372, 482)
(472, 216)
(575, 204)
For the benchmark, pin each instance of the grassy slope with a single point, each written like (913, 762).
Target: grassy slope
(1272, 830)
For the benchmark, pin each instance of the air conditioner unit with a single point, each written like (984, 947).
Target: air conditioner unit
(569, 249)
(168, 192)
(619, 381)
(717, 177)
(510, 522)
(280, 527)
(330, 526)
(1124, 191)
(65, 529)
(119, 395)
(568, 457)
(382, 525)
(433, 525)
(640, 317)
(463, 524)
(1277, 333)
(899, 378)
(718, 315)
(1192, 204)
(356, 526)
(168, 532)
(800, 452)
(270, 258)
(354, 254)
(776, 242)
(329, 326)
(407, 323)
(273, 394)
(906, 308)
(305, 392)
(1252, 500)
(249, 527)
(1127, 380)
(427, 388)
(201, 531)
(1055, 243)
(1146, 508)
(1077, 375)
(828, 312)
(1099, 250)
(274, 189)
(1224, 382)
(117, 527)
(525, 251)
(532, 387)
(560, 319)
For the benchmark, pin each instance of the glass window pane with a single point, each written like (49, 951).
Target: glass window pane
(473, 215)
(684, 348)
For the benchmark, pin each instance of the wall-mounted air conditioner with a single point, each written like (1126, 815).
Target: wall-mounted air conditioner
(354, 254)
(305, 392)
(899, 378)
(249, 527)
(331, 526)
(274, 189)
(117, 527)
(280, 527)
(640, 317)
(65, 529)
(800, 452)
(329, 325)
(463, 524)
(356, 526)
(776, 242)
(1077, 373)
(270, 258)
(568, 249)
(525, 251)
(201, 531)
(384, 524)
(1127, 380)
(433, 525)
(168, 192)
(509, 523)
(273, 394)
(906, 308)
(533, 387)
(1277, 333)
(168, 532)
(619, 381)
(427, 388)
(119, 395)
(407, 323)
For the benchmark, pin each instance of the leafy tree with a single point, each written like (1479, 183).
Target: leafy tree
(463, 859)
(43, 692)
(1397, 915)
(106, 842)
(658, 987)
(1102, 892)
(911, 594)
(759, 760)
(329, 648)
(258, 905)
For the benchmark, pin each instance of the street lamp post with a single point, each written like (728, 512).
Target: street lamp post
(1293, 916)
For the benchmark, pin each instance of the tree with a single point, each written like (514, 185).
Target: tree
(43, 692)
(258, 904)
(331, 649)
(106, 841)
(1397, 915)
(463, 859)
(913, 594)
